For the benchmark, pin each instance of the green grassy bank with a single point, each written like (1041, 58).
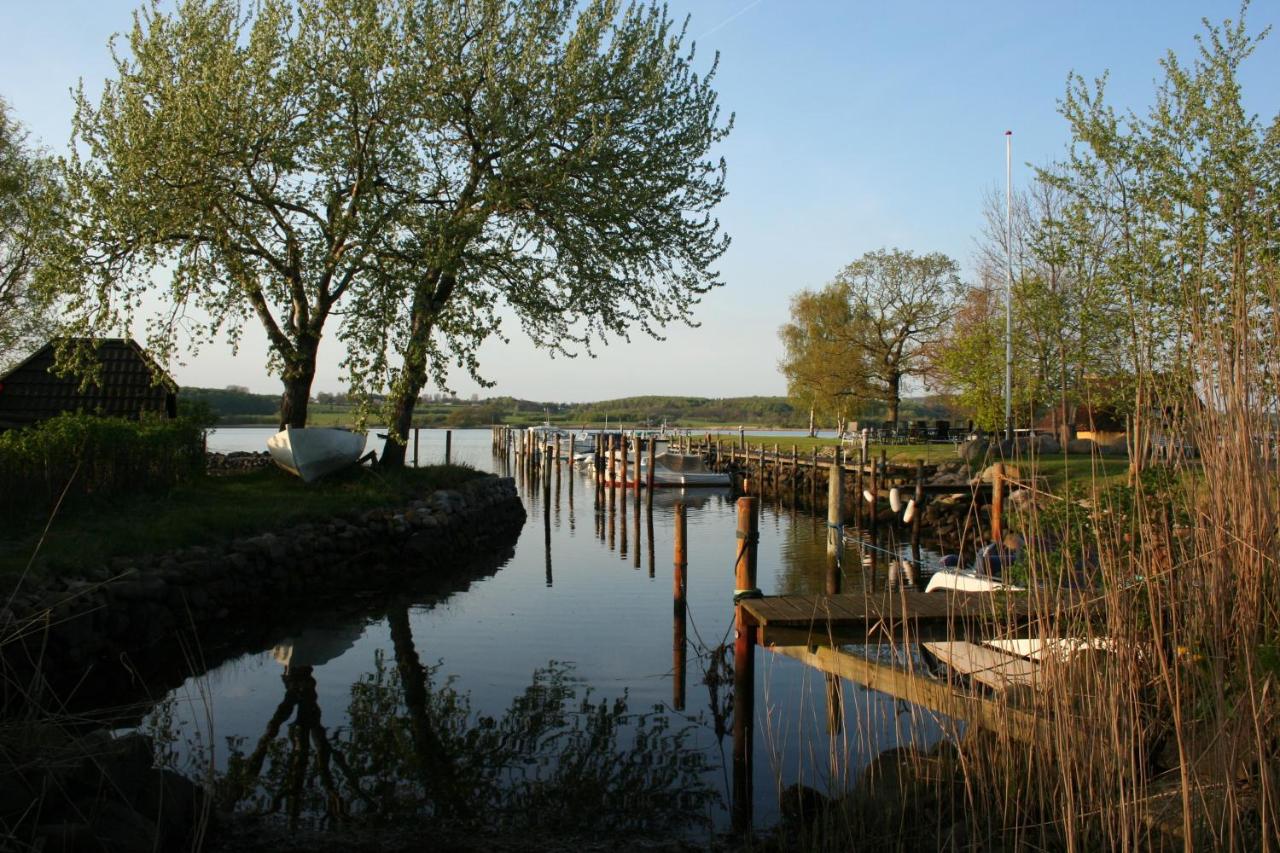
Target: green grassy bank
(205, 510)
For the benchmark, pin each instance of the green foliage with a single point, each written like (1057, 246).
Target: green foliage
(227, 402)
(874, 325)
(87, 455)
(29, 198)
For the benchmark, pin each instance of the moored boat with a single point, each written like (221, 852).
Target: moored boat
(313, 452)
(672, 469)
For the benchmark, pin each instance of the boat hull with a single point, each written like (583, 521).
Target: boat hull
(315, 452)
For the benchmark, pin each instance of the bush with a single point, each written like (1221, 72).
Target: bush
(87, 455)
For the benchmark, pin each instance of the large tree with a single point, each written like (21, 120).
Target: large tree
(821, 359)
(29, 200)
(412, 165)
(257, 158)
(899, 306)
(568, 162)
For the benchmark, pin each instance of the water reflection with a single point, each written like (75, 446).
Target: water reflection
(455, 685)
(410, 748)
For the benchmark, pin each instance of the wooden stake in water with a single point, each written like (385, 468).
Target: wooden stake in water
(744, 646)
(416, 430)
(835, 514)
(649, 476)
(679, 588)
(448, 447)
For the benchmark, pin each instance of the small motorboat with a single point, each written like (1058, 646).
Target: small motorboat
(314, 452)
(670, 469)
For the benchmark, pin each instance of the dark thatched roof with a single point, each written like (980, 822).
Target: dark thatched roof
(128, 384)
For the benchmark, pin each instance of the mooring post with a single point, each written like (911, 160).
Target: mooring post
(835, 522)
(742, 438)
(744, 663)
(813, 480)
(649, 477)
(625, 454)
(679, 586)
(448, 446)
(612, 461)
(997, 502)
(416, 430)
(555, 459)
(917, 510)
(873, 522)
(636, 442)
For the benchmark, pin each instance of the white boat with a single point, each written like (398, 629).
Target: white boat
(313, 452)
(967, 580)
(671, 469)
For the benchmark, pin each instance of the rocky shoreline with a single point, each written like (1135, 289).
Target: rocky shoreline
(68, 784)
(126, 615)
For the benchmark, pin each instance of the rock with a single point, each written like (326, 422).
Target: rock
(988, 473)
(974, 450)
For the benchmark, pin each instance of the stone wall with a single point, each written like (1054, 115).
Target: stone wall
(137, 610)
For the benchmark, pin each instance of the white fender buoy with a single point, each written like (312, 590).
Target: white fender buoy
(895, 500)
(867, 496)
(911, 511)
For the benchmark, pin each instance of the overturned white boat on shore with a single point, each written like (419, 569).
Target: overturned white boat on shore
(313, 452)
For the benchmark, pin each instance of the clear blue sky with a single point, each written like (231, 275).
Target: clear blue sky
(859, 125)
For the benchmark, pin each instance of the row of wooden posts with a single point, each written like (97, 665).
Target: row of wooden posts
(745, 584)
(615, 453)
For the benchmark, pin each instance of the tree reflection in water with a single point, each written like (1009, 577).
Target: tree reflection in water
(412, 749)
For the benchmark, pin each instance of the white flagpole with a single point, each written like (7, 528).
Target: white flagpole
(1008, 284)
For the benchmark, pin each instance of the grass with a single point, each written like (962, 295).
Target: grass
(1054, 470)
(206, 511)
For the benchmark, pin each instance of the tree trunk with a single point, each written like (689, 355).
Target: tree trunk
(813, 429)
(895, 398)
(298, 375)
(406, 399)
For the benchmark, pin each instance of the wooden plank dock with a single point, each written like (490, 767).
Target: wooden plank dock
(851, 617)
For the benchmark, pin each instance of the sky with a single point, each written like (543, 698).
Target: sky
(858, 126)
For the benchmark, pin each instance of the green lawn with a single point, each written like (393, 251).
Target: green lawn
(1056, 469)
(206, 511)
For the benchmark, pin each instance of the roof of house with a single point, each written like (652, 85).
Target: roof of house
(128, 383)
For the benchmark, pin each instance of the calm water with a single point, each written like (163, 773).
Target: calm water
(602, 612)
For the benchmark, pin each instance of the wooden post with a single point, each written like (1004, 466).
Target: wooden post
(555, 459)
(448, 446)
(997, 502)
(416, 430)
(625, 456)
(636, 439)
(795, 473)
(649, 477)
(813, 481)
(835, 517)
(913, 576)
(744, 664)
(611, 462)
(760, 488)
(679, 587)
(873, 522)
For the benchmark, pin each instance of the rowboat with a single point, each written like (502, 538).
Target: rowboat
(313, 452)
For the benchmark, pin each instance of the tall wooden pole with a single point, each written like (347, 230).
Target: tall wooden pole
(679, 587)
(448, 446)
(744, 664)
(913, 576)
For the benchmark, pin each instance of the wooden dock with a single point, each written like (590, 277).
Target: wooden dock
(853, 617)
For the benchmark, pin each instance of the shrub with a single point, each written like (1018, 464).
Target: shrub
(87, 455)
